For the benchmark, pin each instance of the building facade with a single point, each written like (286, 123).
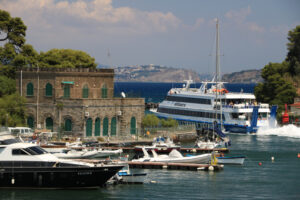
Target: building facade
(78, 102)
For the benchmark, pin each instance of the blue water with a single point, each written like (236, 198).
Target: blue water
(272, 180)
(156, 92)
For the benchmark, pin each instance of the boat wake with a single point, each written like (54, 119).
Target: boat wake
(285, 131)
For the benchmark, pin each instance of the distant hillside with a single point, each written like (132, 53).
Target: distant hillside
(155, 73)
(246, 76)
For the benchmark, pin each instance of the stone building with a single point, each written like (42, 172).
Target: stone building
(78, 101)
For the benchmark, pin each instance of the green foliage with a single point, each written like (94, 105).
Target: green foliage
(12, 29)
(293, 56)
(169, 122)
(8, 86)
(150, 120)
(12, 110)
(62, 58)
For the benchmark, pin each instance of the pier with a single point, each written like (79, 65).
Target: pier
(175, 166)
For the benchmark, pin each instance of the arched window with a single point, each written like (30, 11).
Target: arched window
(105, 126)
(113, 127)
(97, 126)
(49, 123)
(133, 126)
(48, 90)
(66, 91)
(85, 91)
(30, 122)
(89, 127)
(104, 91)
(29, 89)
(68, 125)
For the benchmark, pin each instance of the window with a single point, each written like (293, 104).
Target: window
(133, 126)
(29, 89)
(30, 122)
(49, 123)
(105, 126)
(113, 127)
(104, 91)
(188, 100)
(85, 91)
(19, 152)
(97, 126)
(48, 90)
(66, 91)
(68, 125)
(89, 127)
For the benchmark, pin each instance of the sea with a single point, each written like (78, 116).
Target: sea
(260, 177)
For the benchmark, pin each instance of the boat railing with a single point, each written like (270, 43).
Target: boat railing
(243, 106)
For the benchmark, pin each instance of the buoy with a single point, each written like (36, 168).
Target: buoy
(200, 168)
(211, 168)
(165, 166)
(259, 163)
(298, 155)
(272, 158)
(13, 181)
(194, 150)
(153, 182)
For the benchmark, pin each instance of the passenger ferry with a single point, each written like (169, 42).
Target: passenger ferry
(236, 112)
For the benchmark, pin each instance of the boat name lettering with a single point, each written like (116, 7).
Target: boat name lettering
(85, 173)
(179, 104)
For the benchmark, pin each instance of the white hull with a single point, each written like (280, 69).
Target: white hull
(231, 160)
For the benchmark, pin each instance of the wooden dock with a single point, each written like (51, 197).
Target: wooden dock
(175, 166)
(183, 150)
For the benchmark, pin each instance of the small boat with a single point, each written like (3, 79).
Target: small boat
(174, 157)
(85, 153)
(210, 136)
(27, 165)
(131, 178)
(160, 145)
(235, 160)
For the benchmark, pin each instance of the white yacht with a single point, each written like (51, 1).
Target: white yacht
(236, 112)
(25, 165)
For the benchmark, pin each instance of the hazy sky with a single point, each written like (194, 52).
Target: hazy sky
(174, 33)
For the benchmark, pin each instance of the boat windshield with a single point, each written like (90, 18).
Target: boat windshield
(10, 141)
(36, 150)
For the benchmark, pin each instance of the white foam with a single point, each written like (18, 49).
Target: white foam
(285, 131)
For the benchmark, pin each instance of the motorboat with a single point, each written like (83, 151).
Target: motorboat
(27, 165)
(160, 145)
(174, 157)
(235, 160)
(86, 153)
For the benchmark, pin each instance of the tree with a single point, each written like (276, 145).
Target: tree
(293, 56)
(62, 58)
(150, 120)
(169, 122)
(12, 110)
(8, 86)
(12, 29)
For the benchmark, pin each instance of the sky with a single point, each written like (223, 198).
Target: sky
(172, 33)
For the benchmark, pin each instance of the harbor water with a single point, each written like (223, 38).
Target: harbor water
(259, 177)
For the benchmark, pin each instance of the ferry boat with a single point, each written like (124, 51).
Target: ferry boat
(26, 165)
(213, 102)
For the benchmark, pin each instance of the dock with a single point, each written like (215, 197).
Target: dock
(183, 150)
(175, 166)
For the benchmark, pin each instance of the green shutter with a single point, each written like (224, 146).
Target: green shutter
(49, 123)
(68, 125)
(104, 91)
(113, 127)
(89, 127)
(97, 127)
(66, 91)
(133, 126)
(30, 122)
(85, 92)
(48, 90)
(105, 126)
(29, 89)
